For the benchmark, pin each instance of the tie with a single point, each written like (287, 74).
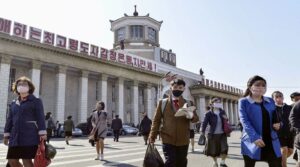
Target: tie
(176, 104)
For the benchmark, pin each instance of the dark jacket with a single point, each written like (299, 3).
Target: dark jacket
(25, 122)
(69, 125)
(145, 126)
(295, 123)
(283, 114)
(211, 119)
(116, 124)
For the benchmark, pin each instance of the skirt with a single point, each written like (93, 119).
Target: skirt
(216, 144)
(21, 152)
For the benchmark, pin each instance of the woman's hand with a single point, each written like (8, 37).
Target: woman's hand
(276, 126)
(43, 137)
(5, 141)
(259, 143)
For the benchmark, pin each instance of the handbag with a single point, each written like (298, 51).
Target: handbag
(40, 159)
(202, 140)
(227, 128)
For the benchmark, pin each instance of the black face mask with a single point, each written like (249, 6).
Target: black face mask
(177, 93)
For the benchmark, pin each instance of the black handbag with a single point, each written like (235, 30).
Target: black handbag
(152, 157)
(202, 140)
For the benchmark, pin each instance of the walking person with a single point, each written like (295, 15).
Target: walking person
(116, 126)
(145, 127)
(259, 139)
(216, 145)
(174, 130)
(25, 125)
(99, 122)
(286, 136)
(68, 128)
(50, 126)
(295, 124)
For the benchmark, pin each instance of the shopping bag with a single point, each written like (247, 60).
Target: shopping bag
(50, 151)
(92, 134)
(152, 157)
(40, 159)
(202, 140)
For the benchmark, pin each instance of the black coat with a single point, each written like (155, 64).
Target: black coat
(283, 114)
(145, 126)
(295, 123)
(116, 124)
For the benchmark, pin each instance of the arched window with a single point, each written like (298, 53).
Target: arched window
(151, 34)
(121, 34)
(137, 32)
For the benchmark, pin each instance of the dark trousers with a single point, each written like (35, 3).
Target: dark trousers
(175, 155)
(276, 162)
(116, 135)
(49, 134)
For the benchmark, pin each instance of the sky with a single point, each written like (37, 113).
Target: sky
(230, 40)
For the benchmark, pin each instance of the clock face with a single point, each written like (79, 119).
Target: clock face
(152, 34)
(121, 34)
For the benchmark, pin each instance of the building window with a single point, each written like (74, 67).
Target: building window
(151, 34)
(137, 32)
(12, 77)
(97, 90)
(121, 34)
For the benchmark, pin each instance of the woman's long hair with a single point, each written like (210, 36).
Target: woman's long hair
(250, 82)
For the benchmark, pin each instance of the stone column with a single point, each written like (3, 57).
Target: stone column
(83, 96)
(135, 102)
(236, 112)
(60, 93)
(35, 73)
(149, 101)
(4, 87)
(231, 113)
(121, 98)
(225, 104)
(202, 107)
(104, 78)
(146, 32)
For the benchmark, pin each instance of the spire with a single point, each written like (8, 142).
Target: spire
(135, 12)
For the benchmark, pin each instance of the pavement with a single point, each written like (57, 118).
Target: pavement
(130, 152)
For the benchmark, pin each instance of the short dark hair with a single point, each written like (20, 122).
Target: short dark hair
(277, 93)
(294, 94)
(102, 104)
(69, 117)
(178, 82)
(23, 79)
(117, 116)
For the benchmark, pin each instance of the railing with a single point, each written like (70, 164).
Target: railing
(220, 86)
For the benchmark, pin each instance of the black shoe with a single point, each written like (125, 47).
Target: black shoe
(223, 165)
(67, 142)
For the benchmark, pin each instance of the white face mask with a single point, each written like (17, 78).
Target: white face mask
(218, 105)
(258, 91)
(23, 89)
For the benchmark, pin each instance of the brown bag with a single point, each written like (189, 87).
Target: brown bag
(92, 134)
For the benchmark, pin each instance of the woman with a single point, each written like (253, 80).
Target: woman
(99, 122)
(25, 125)
(286, 136)
(145, 127)
(216, 144)
(68, 128)
(259, 139)
(50, 126)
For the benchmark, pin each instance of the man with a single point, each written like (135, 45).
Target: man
(175, 131)
(116, 126)
(145, 127)
(295, 123)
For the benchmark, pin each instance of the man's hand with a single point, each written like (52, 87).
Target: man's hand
(151, 141)
(259, 143)
(5, 141)
(189, 114)
(276, 126)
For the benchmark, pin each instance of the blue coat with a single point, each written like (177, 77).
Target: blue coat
(25, 122)
(251, 119)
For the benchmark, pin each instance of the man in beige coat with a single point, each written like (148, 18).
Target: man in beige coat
(175, 131)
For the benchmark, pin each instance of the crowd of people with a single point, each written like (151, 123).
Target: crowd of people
(270, 128)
